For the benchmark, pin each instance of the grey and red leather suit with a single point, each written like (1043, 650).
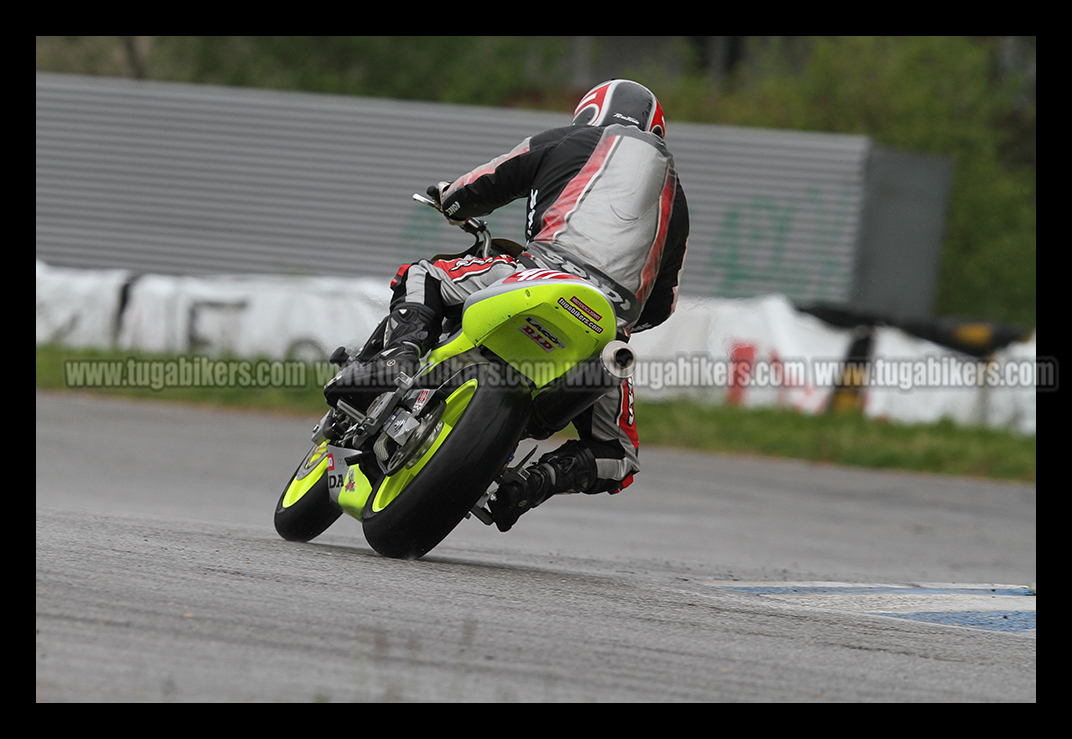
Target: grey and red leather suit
(603, 203)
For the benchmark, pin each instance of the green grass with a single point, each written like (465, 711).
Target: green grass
(843, 438)
(847, 438)
(306, 399)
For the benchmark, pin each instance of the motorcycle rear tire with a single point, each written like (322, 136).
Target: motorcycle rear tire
(451, 482)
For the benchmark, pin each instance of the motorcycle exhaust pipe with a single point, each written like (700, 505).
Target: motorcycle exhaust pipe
(580, 388)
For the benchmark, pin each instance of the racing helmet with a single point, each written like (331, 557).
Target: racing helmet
(621, 101)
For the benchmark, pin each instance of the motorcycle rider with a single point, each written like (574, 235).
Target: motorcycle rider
(604, 203)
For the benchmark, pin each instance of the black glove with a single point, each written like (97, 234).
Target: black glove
(435, 192)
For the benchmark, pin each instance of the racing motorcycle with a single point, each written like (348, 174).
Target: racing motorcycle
(411, 460)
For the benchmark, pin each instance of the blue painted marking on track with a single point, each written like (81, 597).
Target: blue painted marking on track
(869, 589)
(1005, 616)
(989, 620)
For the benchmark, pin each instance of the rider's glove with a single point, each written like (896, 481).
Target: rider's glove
(435, 192)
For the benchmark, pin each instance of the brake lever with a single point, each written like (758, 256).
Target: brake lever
(427, 201)
(474, 226)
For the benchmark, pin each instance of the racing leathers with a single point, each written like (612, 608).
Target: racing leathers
(603, 203)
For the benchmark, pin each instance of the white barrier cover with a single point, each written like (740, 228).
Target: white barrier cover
(770, 353)
(277, 317)
(77, 307)
(915, 390)
(1014, 407)
(752, 352)
(912, 380)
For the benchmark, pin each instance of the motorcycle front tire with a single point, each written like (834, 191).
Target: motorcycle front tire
(305, 510)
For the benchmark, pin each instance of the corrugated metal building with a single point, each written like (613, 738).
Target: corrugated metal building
(190, 179)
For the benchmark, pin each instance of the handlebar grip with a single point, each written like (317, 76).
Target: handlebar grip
(474, 226)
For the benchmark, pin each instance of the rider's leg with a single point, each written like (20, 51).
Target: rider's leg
(396, 347)
(423, 293)
(603, 460)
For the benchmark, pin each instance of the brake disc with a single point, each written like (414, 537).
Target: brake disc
(416, 442)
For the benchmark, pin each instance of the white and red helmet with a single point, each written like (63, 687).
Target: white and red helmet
(621, 101)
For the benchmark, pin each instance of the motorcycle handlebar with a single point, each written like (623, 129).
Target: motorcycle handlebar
(474, 226)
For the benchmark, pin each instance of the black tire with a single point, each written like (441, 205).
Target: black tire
(450, 483)
(310, 514)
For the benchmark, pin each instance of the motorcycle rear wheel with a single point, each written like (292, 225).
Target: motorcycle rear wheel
(412, 511)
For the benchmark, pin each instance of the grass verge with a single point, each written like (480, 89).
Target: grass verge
(848, 438)
(844, 438)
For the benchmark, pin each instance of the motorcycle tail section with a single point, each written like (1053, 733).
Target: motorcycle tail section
(542, 323)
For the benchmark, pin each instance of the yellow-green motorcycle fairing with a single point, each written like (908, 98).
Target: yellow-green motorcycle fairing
(322, 460)
(391, 486)
(542, 328)
(357, 488)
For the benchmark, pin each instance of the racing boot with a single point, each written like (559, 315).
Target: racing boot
(408, 332)
(569, 469)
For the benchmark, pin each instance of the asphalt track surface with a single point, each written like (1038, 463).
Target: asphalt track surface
(161, 579)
